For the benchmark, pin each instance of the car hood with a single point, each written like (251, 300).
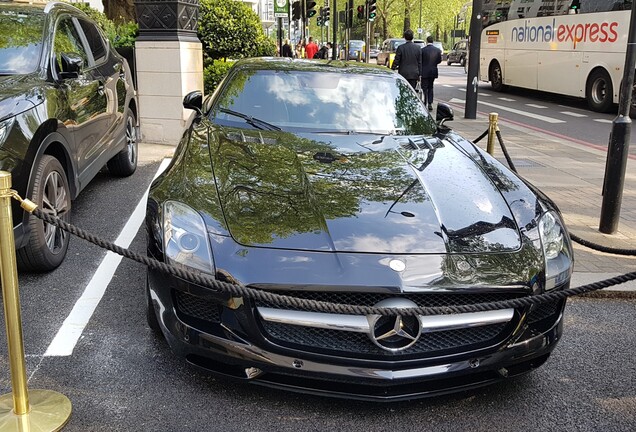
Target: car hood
(357, 193)
(17, 94)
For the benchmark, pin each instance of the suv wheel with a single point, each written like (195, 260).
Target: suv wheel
(47, 244)
(124, 163)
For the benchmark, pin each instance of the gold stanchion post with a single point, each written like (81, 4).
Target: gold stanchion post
(21, 410)
(492, 132)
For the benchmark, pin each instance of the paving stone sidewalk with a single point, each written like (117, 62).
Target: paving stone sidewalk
(572, 175)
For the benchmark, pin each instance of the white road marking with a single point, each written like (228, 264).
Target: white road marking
(507, 99)
(447, 85)
(462, 89)
(536, 106)
(73, 326)
(485, 94)
(516, 111)
(573, 114)
(603, 121)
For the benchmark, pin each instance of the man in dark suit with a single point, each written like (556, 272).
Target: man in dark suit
(408, 59)
(431, 57)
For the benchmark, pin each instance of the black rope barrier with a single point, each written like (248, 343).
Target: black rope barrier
(238, 290)
(480, 137)
(505, 151)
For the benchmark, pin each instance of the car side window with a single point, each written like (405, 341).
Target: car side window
(95, 41)
(67, 40)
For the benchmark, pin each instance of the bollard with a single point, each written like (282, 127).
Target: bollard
(21, 410)
(492, 133)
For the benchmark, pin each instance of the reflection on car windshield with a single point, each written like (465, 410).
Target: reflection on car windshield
(324, 101)
(20, 50)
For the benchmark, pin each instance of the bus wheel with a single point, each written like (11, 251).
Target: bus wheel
(599, 92)
(496, 77)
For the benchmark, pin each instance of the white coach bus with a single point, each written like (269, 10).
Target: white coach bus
(574, 48)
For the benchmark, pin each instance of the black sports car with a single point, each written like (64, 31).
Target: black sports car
(67, 108)
(330, 181)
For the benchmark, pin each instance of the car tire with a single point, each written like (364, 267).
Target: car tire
(448, 62)
(462, 61)
(124, 163)
(47, 244)
(151, 315)
(599, 91)
(496, 77)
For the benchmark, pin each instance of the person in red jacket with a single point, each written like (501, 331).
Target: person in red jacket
(311, 49)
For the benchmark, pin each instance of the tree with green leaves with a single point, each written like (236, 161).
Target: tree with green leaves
(231, 29)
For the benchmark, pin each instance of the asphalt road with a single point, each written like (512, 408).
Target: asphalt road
(120, 377)
(554, 114)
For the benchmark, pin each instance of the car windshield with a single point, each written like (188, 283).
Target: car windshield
(356, 44)
(397, 43)
(305, 101)
(20, 40)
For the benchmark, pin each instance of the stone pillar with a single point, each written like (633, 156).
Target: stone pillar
(169, 59)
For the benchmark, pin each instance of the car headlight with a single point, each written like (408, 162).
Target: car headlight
(5, 128)
(185, 238)
(557, 250)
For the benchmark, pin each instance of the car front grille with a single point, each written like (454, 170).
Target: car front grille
(347, 344)
(197, 307)
(344, 343)
(371, 299)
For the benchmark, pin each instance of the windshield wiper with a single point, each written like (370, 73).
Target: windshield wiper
(257, 123)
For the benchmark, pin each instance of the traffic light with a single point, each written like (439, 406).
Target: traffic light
(310, 9)
(361, 12)
(371, 9)
(325, 14)
(296, 10)
(350, 14)
(575, 6)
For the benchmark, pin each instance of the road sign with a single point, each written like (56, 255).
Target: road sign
(281, 9)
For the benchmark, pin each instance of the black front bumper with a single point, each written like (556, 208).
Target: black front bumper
(226, 341)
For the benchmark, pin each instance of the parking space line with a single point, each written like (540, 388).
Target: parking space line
(603, 121)
(536, 106)
(67, 336)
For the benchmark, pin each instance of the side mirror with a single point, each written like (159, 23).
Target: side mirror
(193, 101)
(71, 65)
(444, 113)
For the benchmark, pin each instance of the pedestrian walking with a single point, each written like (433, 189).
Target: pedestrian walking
(431, 57)
(287, 49)
(408, 60)
(311, 49)
(300, 48)
(323, 52)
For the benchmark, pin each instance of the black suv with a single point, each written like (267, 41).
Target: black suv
(67, 108)
(458, 54)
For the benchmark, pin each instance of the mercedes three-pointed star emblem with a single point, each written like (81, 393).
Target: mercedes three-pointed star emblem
(394, 333)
